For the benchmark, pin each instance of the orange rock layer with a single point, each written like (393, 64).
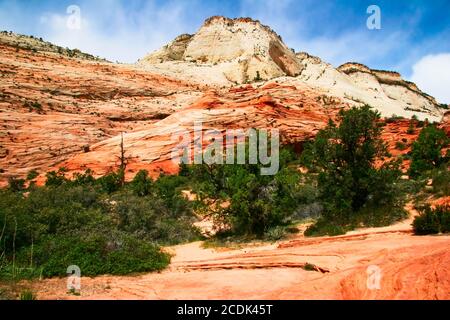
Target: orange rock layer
(57, 111)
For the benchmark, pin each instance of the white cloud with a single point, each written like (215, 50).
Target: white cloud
(358, 45)
(127, 30)
(111, 31)
(432, 75)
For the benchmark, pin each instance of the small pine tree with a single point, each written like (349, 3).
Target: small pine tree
(258, 76)
(141, 184)
(345, 157)
(426, 152)
(56, 178)
(16, 185)
(411, 128)
(33, 174)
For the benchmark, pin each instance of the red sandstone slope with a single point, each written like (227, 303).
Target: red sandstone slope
(411, 267)
(295, 111)
(57, 111)
(60, 111)
(53, 107)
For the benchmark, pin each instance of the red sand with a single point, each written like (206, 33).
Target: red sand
(411, 267)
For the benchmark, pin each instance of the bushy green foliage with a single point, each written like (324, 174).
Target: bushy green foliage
(325, 228)
(152, 219)
(349, 181)
(399, 145)
(96, 254)
(82, 213)
(258, 76)
(426, 152)
(83, 179)
(432, 221)
(411, 127)
(168, 188)
(27, 295)
(141, 184)
(33, 174)
(56, 178)
(238, 196)
(16, 185)
(276, 233)
(441, 180)
(111, 182)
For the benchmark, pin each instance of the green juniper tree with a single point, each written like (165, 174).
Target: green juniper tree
(240, 197)
(345, 157)
(426, 152)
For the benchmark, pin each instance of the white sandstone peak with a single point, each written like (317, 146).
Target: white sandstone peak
(225, 52)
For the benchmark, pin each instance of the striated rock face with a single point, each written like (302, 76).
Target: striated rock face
(172, 52)
(389, 87)
(64, 108)
(241, 49)
(357, 85)
(296, 111)
(225, 52)
(53, 106)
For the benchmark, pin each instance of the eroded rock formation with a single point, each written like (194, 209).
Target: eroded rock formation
(65, 108)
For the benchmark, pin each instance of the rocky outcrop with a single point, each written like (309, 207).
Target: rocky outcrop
(174, 51)
(32, 44)
(357, 85)
(54, 106)
(241, 49)
(296, 111)
(226, 52)
(394, 87)
(68, 111)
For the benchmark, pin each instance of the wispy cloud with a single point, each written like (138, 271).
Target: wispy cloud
(334, 30)
(432, 74)
(110, 29)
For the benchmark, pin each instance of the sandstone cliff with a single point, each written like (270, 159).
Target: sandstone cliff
(241, 50)
(65, 108)
(225, 52)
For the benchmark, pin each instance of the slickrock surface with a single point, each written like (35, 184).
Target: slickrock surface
(411, 267)
(53, 106)
(358, 85)
(295, 111)
(393, 94)
(65, 108)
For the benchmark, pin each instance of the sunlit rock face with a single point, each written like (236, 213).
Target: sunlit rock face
(66, 108)
(241, 50)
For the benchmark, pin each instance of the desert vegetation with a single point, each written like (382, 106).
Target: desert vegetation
(432, 221)
(357, 184)
(242, 202)
(352, 181)
(108, 226)
(427, 151)
(100, 225)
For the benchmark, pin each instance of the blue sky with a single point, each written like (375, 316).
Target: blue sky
(414, 38)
